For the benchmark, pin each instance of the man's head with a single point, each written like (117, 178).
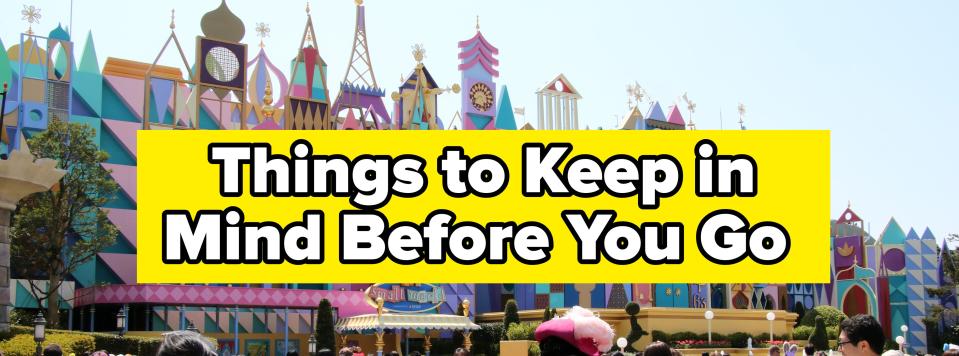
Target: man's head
(185, 343)
(809, 350)
(861, 335)
(346, 351)
(52, 350)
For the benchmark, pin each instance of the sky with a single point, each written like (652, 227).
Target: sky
(877, 74)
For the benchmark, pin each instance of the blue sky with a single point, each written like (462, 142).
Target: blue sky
(879, 74)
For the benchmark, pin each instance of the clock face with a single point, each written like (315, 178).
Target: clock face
(222, 64)
(481, 96)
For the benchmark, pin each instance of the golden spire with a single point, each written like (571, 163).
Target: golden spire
(172, 19)
(307, 8)
(31, 14)
(268, 108)
(477, 22)
(358, 2)
(263, 31)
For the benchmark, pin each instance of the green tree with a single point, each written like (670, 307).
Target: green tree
(819, 339)
(635, 330)
(510, 314)
(56, 231)
(801, 310)
(547, 316)
(325, 337)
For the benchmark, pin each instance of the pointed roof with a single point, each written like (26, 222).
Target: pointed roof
(892, 234)
(477, 50)
(561, 85)
(351, 123)
(633, 120)
(912, 235)
(848, 216)
(123, 264)
(360, 65)
(267, 125)
(456, 123)
(527, 126)
(505, 120)
(927, 235)
(675, 116)
(655, 112)
(88, 61)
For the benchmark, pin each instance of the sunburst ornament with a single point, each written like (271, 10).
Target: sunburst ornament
(31, 14)
(263, 31)
(419, 52)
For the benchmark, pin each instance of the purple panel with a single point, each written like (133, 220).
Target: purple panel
(239, 51)
(894, 259)
(843, 262)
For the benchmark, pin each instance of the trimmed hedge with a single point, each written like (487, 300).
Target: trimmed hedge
(486, 339)
(522, 331)
(134, 345)
(23, 345)
(830, 316)
(736, 340)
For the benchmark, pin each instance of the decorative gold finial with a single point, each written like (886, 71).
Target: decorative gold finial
(466, 307)
(262, 30)
(477, 22)
(268, 108)
(379, 306)
(419, 52)
(31, 14)
(172, 19)
(307, 8)
(358, 2)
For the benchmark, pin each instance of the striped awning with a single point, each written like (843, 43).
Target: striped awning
(372, 322)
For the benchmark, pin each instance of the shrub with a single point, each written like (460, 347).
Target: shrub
(661, 336)
(533, 349)
(510, 314)
(831, 316)
(803, 332)
(522, 331)
(23, 345)
(487, 338)
(738, 339)
(819, 339)
(684, 335)
(832, 333)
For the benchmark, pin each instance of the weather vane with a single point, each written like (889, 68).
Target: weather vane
(691, 106)
(31, 14)
(172, 18)
(477, 22)
(742, 113)
(262, 30)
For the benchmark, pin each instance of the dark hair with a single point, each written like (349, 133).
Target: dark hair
(185, 343)
(346, 351)
(658, 348)
(461, 352)
(864, 328)
(951, 352)
(554, 346)
(774, 348)
(394, 353)
(52, 350)
(325, 352)
(414, 353)
(675, 352)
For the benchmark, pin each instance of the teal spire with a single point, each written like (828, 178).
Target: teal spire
(88, 62)
(6, 72)
(504, 118)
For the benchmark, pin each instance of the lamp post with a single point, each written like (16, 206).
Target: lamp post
(770, 316)
(311, 344)
(709, 324)
(622, 342)
(121, 322)
(39, 331)
(903, 345)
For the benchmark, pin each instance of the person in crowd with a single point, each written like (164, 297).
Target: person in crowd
(346, 351)
(52, 350)
(861, 335)
(809, 350)
(899, 353)
(325, 352)
(793, 350)
(675, 352)
(394, 353)
(774, 350)
(414, 353)
(578, 333)
(949, 352)
(461, 352)
(658, 348)
(185, 343)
